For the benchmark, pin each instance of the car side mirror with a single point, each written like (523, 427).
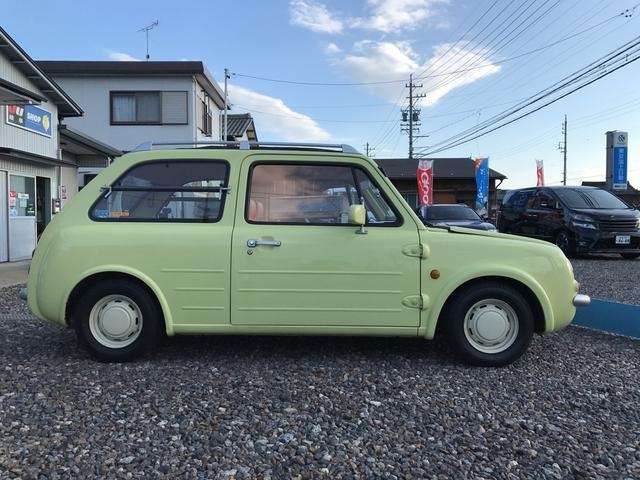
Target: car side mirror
(358, 216)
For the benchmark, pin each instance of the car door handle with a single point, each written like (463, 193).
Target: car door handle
(252, 243)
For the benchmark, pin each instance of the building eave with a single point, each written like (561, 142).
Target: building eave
(67, 107)
(33, 157)
(88, 142)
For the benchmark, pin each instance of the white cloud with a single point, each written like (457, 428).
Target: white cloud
(314, 16)
(394, 15)
(274, 118)
(381, 61)
(122, 57)
(331, 49)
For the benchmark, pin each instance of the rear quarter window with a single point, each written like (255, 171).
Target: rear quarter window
(166, 191)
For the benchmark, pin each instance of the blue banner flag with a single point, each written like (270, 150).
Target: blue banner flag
(482, 185)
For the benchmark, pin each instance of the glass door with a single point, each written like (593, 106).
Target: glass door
(22, 217)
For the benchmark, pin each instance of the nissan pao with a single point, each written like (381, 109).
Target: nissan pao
(303, 239)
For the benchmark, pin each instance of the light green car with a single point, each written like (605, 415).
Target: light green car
(284, 240)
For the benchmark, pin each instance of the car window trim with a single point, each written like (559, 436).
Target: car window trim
(224, 189)
(399, 218)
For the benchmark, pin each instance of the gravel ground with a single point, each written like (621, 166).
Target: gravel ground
(280, 408)
(609, 277)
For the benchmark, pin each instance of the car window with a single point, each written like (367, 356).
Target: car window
(313, 194)
(450, 212)
(589, 198)
(518, 198)
(166, 191)
(543, 201)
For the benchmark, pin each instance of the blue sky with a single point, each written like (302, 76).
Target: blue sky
(332, 41)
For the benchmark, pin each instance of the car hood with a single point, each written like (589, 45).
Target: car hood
(608, 214)
(475, 224)
(495, 234)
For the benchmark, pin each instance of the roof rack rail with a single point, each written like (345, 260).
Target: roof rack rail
(248, 145)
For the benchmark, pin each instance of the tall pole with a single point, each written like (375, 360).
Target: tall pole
(564, 150)
(368, 149)
(411, 116)
(411, 124)
(226, 104)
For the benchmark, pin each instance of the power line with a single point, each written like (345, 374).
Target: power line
(421, 76)
(600, 68)
(627, 13)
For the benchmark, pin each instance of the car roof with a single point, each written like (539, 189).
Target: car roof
(449, 205)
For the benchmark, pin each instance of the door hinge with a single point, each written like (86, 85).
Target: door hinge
(415, 301)
(419, 250)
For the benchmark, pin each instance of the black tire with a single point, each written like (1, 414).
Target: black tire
(630, 256)
(565, 243)
(464, 300)
(149, 334)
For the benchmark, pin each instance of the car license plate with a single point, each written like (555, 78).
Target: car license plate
(623, 239)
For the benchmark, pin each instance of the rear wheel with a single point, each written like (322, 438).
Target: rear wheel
(489, 324)
(117, 320)
(565, 243)
(630, 256)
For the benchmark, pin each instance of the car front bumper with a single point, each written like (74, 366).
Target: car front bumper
(597, 241)
(581, 300)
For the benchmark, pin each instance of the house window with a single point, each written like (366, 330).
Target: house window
(148, 108)
(166, 191)
(206, 121)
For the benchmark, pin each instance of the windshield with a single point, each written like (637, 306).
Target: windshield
(450, 212)
(589, 198)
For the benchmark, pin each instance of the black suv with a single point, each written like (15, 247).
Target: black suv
(577, 219)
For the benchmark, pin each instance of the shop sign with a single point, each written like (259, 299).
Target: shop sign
(30, 117)
(620, 161)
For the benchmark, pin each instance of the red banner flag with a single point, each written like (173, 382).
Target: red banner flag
(424, 175)
(540, 173)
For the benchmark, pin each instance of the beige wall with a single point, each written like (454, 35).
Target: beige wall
(69, 179)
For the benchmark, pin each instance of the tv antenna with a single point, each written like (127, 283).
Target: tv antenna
(146, 30)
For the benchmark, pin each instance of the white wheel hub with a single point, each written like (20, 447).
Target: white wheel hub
(115, 321)
(491, 326)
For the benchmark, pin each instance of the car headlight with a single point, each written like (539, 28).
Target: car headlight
(583, 221)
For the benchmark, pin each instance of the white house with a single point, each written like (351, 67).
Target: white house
(130, 103)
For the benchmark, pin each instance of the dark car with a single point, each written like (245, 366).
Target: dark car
(577, 219)
(453, 215)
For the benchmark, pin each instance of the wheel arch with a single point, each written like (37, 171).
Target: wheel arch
(89, 278)
(527, 286)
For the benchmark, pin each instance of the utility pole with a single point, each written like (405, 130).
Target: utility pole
(226, 103)
(146, 30)
(562, 146)
(411, 115)
(368, 149)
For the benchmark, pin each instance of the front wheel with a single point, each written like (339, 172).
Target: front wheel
(117, 320)
(489, 324)
(564, 241)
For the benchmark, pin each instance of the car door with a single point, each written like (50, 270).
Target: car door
(296, 261)
(548, 216)
(166, 218)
